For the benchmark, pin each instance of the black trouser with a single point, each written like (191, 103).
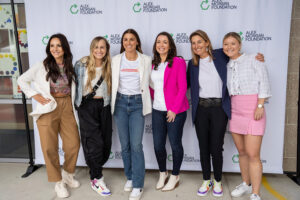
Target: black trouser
(210, 123)
(95, 130)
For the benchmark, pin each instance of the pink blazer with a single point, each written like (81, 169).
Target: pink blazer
(175, 86)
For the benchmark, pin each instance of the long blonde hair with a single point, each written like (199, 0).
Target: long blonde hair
(205, 37)
(91, 68)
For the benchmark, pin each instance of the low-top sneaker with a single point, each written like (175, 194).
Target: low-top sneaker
(241, 189)
(255, 197)
(100, 187)
(128, 186)
(204, 189)
(136, 194)
(217, 189)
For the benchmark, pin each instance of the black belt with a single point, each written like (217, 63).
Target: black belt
(210, 102)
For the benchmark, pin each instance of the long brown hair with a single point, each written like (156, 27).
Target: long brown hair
(133, 32)
(91, 65)
(171, 53)
(205, 37)
(50, 64)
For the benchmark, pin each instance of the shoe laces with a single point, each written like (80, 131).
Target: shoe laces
(240, 186)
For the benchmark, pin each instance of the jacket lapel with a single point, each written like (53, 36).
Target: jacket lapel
(167, 73)
(141, 67)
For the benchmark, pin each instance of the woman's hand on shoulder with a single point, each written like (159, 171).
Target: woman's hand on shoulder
(171, 116)
(260, 57)
(39, 98)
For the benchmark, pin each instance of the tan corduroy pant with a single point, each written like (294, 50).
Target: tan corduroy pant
(60, 121)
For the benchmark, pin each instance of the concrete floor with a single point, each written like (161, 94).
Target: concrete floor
(36, 187)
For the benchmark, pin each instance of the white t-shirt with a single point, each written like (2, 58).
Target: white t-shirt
(129, 83)
(209, 80)
(157, 77)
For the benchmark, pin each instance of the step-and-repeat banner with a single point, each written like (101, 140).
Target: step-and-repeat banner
(263, 25)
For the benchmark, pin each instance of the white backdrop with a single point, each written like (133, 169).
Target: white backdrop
(263, 25)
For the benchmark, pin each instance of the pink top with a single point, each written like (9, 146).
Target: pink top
(175, 86)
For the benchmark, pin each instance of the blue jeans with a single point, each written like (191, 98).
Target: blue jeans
(161, 128)
(130, 121)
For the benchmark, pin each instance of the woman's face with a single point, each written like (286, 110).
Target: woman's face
(162, 45)
(56, 49)
(99, 50)
(129, 42)
(199, 46)
(231, 47)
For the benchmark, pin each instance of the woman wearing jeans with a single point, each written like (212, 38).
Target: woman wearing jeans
(169, 107)
(131, 101)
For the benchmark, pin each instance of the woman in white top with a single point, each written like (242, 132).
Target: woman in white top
(130, 102)
(54, 91)
(94, 111)
(249, 87)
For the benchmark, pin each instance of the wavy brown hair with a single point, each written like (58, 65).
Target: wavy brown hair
(171, 53)
(205, 37)
(91, 65)
(50, 63)
(136, 35)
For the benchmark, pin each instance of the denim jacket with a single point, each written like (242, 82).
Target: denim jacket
(80, 67)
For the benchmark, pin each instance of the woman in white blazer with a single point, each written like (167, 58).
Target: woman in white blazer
(131, 101)
(54, 90)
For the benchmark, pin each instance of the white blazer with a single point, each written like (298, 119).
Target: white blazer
(36, 75)
(144, 70)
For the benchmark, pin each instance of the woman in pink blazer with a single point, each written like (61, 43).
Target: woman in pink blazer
(168, 80)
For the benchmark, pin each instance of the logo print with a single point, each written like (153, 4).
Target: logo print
(241, 34)
(204, 5)
(235, 158)
(170, 157)
(136, 7)
(45, 40)
(111, 155)
(74, 9)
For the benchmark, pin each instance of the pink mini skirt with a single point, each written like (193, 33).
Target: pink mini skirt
(242, 116)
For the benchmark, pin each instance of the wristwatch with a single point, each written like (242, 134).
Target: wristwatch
(260, 105)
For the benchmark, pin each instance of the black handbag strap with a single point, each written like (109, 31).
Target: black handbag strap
(98, 84)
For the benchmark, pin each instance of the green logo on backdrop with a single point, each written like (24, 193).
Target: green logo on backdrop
(111, 155)
(45, 40)
(241, 34)
(235, 158)
(74, 9)
(136, 7)
(170, 157)
(204, 5)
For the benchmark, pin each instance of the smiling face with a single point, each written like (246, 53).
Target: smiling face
(56, 49)
(99, 50)
(199, 46)
(162, 45)
(129, 42)
(231, 47)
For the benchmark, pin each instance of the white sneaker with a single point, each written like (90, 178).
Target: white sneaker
(136, 194)
(204, 189)
(255, 197)
(100, 187)
(61, 189)
(128, 186)
(173, 182)
(162, 180)
(68, 179)
(241, 189)
(217, 189)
